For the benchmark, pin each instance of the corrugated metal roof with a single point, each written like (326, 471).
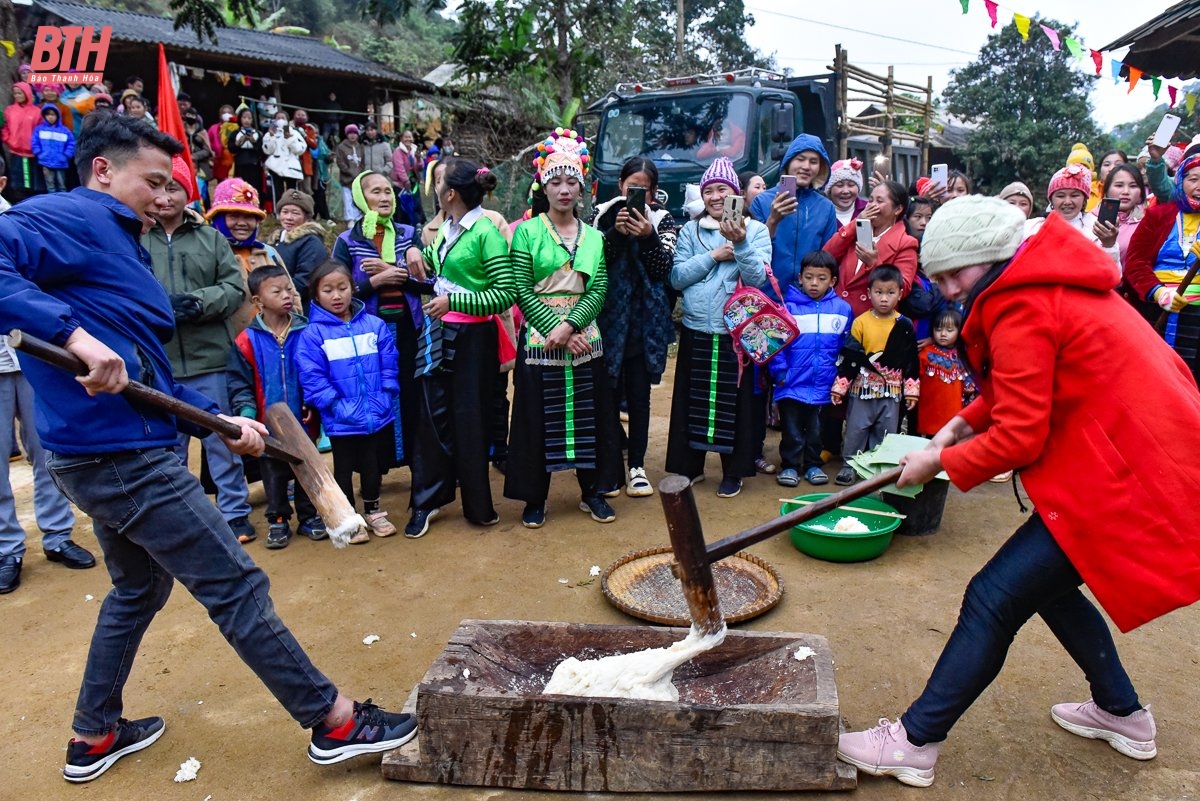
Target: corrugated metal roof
(1168, 45)
(271, 48)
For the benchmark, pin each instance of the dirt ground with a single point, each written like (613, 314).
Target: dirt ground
(886, 621)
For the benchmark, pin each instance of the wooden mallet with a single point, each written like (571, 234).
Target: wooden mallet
(1188, 277)
(290, 443)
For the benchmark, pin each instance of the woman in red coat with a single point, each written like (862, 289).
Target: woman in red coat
(1162, 249)
(1072, 386)
(885, 209)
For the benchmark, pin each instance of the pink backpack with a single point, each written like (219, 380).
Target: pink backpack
(760, 327)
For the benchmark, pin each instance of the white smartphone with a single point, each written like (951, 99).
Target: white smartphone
(735, 206)
(864, 234)
(939, 174)
(1166, 130)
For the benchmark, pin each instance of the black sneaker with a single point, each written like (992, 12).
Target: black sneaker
(729, 488)
(418, 524)
(533, 516)
(368, 731)
(598, 507)
(278, 533)
(314, 529)
(846, 476)
(243, 529)
(86, 762)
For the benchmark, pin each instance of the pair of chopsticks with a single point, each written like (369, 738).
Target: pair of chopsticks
(876, 512)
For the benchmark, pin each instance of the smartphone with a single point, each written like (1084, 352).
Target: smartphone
(1166, 130)
(939, 174)
(635, 198)
(1109, 207)
(734, 207)
(787, 185)
(865, 235)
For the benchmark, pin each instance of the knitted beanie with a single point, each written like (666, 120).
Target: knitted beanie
(1192, 149)
(181, 173)
(1016, 188)
(845, 170)
(294, 197)
(922, 184)
(1072, 176)
(1081, 155)
(721, 171)
(350, 129)
(1173, 155)
(971, 230)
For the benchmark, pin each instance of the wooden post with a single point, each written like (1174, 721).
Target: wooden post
(889, 105)
(924, 169)
(691, 566)
(841, 57)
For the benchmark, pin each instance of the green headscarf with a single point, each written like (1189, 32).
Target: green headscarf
(372, 220)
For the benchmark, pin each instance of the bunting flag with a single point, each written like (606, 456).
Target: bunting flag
(1051, 34)
(10, 49)
(1078, 49)
(170, 121)
(1022, 23)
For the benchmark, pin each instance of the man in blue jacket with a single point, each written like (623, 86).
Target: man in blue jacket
(801, 224)
(73, 272)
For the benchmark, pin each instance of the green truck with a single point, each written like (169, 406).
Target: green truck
(749, 115)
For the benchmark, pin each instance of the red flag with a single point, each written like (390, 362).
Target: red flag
(991, 11)
(170, 121)
(1098, 60)
(1171, 93)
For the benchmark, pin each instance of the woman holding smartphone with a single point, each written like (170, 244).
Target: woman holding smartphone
(1125, 185)
(713, 399)
(639, 250)
(890, 243)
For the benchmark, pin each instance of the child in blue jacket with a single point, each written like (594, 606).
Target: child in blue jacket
(349, 371)
(805, 370)
(263, 370)
(53, 144)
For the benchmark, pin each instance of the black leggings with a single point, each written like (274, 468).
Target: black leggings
(634, 389)
(359, 453)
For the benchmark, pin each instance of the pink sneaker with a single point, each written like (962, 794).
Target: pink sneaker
(1132, 735)
(886, 751)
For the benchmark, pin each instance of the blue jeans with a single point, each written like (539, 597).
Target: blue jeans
(1029, 575)
(51, 510)
(155, 524)
(233, 496)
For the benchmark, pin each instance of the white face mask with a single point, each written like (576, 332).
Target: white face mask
(226, 117)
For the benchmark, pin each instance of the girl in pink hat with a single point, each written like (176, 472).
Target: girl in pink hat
(1068, 194)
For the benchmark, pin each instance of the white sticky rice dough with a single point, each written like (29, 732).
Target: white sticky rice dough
(642, 674)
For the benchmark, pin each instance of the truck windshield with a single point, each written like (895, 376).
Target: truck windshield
(685, 130)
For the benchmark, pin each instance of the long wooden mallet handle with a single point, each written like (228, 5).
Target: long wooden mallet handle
(1188, 277)
(737, 542)
(135, 391)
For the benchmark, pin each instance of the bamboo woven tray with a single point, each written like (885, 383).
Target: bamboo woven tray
(641, 584)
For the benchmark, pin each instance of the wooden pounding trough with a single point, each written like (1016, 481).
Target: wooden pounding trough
(757, 713)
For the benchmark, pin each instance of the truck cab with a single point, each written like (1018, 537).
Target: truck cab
(683, 124)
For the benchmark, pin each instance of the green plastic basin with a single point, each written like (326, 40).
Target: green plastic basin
(836, 546)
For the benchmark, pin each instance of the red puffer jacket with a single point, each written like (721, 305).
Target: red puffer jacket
(1100, 415)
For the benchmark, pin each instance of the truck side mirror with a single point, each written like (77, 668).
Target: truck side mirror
(783, 129)
(782, 123)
